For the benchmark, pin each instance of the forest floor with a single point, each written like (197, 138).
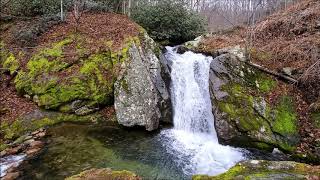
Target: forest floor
(288, 39)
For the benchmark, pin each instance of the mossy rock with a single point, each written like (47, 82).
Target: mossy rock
(243, 117)
(54, 81)
(254, 169)
(105, 174)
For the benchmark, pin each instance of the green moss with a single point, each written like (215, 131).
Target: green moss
(233, 172)
(273, 121)
(3, 146)
(259, 81)
(239, 108)
(90, 80)
(11, 63)
(57, 49)
(11, 131)
(266, 84)
(262, 145)
(286, 119)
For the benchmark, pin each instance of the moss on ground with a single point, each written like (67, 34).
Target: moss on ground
(285, 118)
(11, 63)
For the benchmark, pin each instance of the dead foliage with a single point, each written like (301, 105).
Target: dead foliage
(13, 106)
(291, 38)
(222, 39)
(97, 28)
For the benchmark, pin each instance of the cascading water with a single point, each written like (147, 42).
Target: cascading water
(193, 139)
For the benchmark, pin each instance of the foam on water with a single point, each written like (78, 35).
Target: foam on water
(193, 139)
(10, 161)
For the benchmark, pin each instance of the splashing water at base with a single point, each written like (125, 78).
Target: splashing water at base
(193, 138)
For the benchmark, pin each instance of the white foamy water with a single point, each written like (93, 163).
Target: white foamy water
(10, 161)
(193, 140)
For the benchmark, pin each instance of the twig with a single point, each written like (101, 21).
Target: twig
(280, 76)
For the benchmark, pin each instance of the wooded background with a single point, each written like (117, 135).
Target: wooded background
(220, 14)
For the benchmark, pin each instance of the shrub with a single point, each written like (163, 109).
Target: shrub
(169, 20)
(35, 7)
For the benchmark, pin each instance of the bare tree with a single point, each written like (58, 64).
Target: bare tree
(61, 10)
(78, 6)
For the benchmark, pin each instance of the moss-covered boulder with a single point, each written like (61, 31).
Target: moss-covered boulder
(242, 116)
(68, 77)
(53, 81)
(255, 169)
(105, 174)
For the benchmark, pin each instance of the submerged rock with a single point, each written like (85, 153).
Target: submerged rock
(106, 174)
(254, 169)
(242, 115)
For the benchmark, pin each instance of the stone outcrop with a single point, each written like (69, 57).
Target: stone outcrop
(242, 116)
(255, 169)
(141, 94)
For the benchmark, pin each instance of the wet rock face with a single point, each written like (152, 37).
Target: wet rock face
(242, 115)
(141, 93)
(255, 169)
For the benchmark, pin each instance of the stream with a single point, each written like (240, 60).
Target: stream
(189, 147)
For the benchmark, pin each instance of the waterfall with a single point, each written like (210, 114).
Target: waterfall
(193, 139)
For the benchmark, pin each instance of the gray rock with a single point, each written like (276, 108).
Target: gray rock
(243, 118)
(287, 71)
(141, 95)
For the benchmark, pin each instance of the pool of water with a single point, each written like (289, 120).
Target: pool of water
(73, 148)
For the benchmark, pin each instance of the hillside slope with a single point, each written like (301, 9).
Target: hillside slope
(288, 43)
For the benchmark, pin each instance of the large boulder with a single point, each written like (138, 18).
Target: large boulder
(141, 93)
(243, 117)
(254, 169)
(67, 77)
